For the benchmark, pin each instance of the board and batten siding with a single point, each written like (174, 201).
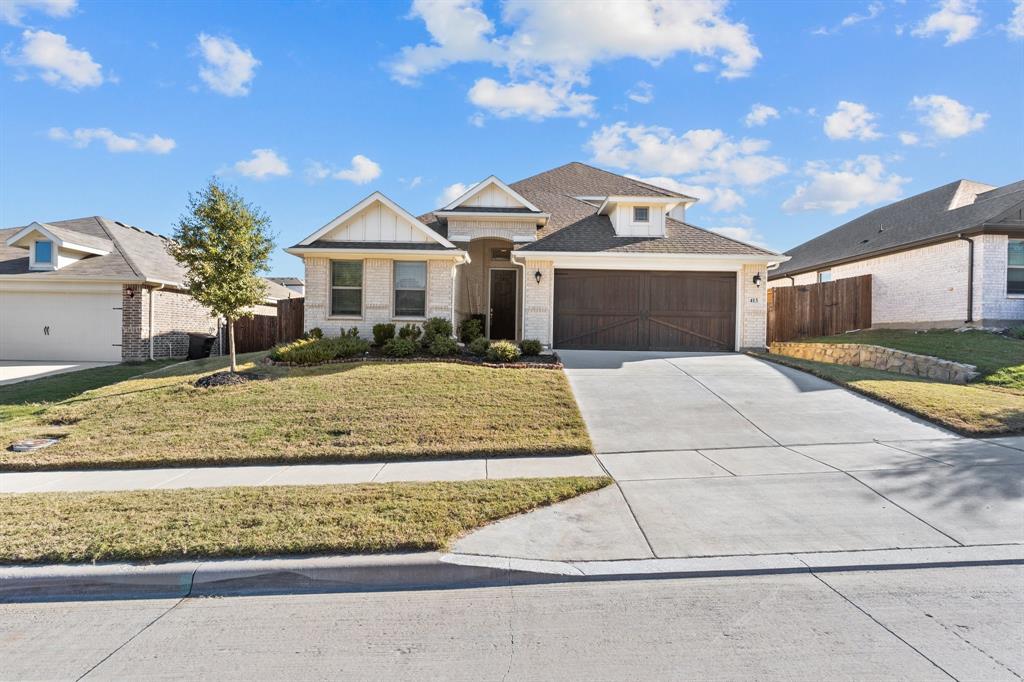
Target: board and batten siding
(493, 197)
(622, 220)
(376, 223)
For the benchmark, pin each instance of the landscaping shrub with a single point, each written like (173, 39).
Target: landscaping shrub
(442, 345)
(348, 346)
(382, 333)
(531, 347)
(315, 333)
(436, 327)
(410, 331)
(401, 347)
(470, 330)
(315, 351)
(1016, 332)
(352, 333)
(503, 351)
(479, 346)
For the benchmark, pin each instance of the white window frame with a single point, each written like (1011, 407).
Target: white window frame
(822, 274)
(645, 220)
(395, 290)
(1012, 267)
(361, 287)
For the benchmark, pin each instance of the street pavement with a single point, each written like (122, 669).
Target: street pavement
(923, 624)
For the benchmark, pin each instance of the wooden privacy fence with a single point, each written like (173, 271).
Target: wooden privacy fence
(261, 332)
(823, 309)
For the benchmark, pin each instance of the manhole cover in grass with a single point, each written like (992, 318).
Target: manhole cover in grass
(32, 444)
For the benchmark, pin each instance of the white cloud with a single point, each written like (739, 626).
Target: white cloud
(533, 99)
(415, 182)
(759, 115)
(13, 11)
(872, 11)
(643, 92)
(705, 155)
(717, 199)
(134, 142)
(362, 171)
(851, 120)
(909, 138)
(1015, 26)
(263, 164)
(477, 120)
(453, 192)
(229, 69)
(946, 117)
(861, 182)
(554, 45)
(58, 62)
(748, 235)
(958, 19)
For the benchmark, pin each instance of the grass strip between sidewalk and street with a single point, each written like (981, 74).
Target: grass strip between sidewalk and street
(163, 525)
(970, 410)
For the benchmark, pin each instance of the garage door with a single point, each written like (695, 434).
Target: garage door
(51, 325)
(640, 310)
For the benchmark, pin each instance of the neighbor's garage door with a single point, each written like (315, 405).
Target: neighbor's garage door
(640, 310)
(57, 325)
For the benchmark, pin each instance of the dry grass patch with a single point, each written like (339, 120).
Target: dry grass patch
(344, 412)
(265, 521)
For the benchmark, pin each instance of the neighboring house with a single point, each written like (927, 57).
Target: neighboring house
(575, 257)
(93, 289)
(294, 284)
(943, 258)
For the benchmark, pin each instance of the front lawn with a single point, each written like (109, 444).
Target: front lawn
(973, 410)
(999, 359)
(230, 522)
(340, 412)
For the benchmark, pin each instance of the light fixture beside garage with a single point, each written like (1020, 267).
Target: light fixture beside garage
(757, 280)
(538, 276)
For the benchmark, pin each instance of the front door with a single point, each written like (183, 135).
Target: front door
(503, 304)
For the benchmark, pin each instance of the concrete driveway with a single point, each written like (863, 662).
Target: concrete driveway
(14, 371)
(724, 454)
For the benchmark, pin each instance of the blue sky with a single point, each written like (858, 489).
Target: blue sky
(785, 118)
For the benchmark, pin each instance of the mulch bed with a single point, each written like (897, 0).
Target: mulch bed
(375, 355)
(226, 379)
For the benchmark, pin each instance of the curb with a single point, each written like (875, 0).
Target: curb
(433, 570)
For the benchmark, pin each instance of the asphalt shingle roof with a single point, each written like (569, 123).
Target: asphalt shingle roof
(917, 219)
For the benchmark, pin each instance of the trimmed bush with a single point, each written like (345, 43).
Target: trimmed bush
(470, 330)
(410, 331)
(1017, 332)
(315, 351)
(352, 333)
(436, 327)
(442, 345)
(479, 346)
(400, 347)
(348, 346)
(382, 333)
(315, 333)
(503, 351)
(531, 346)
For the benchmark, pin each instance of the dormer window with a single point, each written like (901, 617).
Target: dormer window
(641, 214)
(44, 252)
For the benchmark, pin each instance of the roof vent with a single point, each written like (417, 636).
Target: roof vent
(864, 241)
(881, 228)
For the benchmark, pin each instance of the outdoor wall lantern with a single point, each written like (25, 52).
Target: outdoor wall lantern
(757, 280)
(538, 276)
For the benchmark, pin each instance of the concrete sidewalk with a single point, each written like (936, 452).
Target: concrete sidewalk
(300, 474)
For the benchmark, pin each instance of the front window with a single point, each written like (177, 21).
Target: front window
(410, 288)
(44, 252)
(347, 287)
(1015, 267)
(641, 214)
(825, 276)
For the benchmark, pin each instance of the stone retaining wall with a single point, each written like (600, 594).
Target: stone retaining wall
(878, 357)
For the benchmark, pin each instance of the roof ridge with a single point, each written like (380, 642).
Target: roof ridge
(101, 221)
(723, 236)
(666, 192)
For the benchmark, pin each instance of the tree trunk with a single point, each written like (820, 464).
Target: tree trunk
(231, 344)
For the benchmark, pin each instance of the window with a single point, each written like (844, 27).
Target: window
(825, 276)
(1015, 267)
(347, 287)
(44, 252)
(410, 288)
(499, 253)
(641, 214)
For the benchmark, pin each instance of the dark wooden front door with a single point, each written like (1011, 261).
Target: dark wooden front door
(641, 310)
(503, 304)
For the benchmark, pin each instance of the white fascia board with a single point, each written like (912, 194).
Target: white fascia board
(646, 261)
(487, 182)
(523, 239)
(668, 202)
(404, 254)
(376, 196)
(540, 218)
(60, 243)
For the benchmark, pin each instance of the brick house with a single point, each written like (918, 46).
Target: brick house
(951, 256)
(93, 289)
(575, 257)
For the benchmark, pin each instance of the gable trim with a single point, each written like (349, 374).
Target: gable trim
(61, 243)
(375, 197)
(484, 184)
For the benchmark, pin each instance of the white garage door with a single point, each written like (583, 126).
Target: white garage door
(58, 325)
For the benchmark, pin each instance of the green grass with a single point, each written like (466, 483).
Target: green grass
(230, 522)
(974, 410)
(999, 359)
(31, 397)
(341, 412)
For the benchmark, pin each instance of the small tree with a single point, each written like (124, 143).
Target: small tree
(223, 242)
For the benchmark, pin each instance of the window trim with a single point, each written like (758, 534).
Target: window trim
(35, 252)
(646, 220)
(395, 290)
(331, 315)
(824, 272)
(1009, 267)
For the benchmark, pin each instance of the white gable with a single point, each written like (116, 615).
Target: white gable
(491, 193)
(376, 219)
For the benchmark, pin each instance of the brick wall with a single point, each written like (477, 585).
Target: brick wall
(753, 312)
(538, 299)
(502, 229)
(175, 314)
(992, 305)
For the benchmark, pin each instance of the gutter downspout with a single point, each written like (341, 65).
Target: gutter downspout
(522, 299)
(151, 290)
(970, 278)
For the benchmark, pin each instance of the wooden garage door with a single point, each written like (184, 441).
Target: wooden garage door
(640, 310)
